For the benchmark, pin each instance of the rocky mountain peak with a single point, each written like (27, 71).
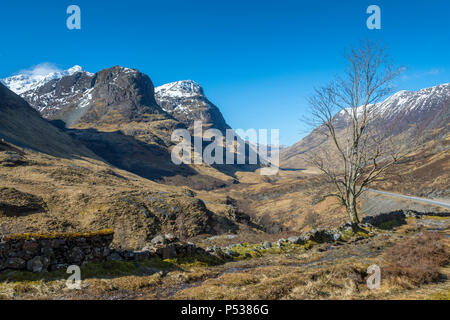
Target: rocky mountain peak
(37, 77)
(185, 101)
(179, 89)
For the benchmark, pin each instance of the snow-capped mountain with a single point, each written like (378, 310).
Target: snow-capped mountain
(79, 97)
(185, 100)
(179, 89)
(427, 109)
(23, 126)
(404, 102)
(69, 94)
(23, 82)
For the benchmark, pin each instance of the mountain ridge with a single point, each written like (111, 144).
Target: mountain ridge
(428, 109)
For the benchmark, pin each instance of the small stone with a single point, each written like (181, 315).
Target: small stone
(293, 240)
(337, 236)
(158, 240)
(58, 266)
(127, 255)
(267, 244)
(170, 238)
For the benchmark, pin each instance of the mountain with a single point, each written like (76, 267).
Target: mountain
(21, 125)
(29, 81)
(186, 101)
(115, 113)
(427, 109)
(54, 181)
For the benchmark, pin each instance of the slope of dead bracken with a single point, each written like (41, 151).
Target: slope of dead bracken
(42, 193)
(286, 271)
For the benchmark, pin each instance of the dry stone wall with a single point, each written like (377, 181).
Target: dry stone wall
(41, 252)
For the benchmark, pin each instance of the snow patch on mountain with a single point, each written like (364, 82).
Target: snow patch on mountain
(179, 89)
(36, 77)
(404, 102)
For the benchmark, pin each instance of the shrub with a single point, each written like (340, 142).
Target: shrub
(417, 260)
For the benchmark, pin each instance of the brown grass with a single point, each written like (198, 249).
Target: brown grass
(417, 260)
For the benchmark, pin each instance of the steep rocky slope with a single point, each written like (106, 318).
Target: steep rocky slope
(116, 113)
(22, 125)
(186, 101)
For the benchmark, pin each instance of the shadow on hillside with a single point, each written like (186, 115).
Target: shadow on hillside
(151, 161)
(391, 220)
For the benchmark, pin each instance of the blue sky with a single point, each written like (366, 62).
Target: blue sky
(257, 60)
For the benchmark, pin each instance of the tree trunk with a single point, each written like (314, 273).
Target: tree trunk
(352, 211)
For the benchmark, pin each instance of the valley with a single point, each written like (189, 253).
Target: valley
(83, 152)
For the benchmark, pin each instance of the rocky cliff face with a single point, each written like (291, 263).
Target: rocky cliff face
(108, 97)
(186, 101)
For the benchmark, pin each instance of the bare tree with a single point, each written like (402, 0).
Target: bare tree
(358, 148)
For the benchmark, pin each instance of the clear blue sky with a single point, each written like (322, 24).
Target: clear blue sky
(257, 60)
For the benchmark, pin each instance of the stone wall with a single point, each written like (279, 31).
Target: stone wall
(41, 252)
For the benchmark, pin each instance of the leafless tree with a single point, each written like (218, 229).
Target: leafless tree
(358, 148)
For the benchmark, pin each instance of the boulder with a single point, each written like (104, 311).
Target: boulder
(158, 240)
(169, 252)
(37, 264)
(170, 238)
(294, 240)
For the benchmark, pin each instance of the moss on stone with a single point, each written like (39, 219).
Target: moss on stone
(56, 235)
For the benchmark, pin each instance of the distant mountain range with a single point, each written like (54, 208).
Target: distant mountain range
(428, 110)
(72, 94)
(119, 115)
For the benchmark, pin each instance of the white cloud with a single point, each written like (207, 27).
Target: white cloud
(417, 75)
(41, 69)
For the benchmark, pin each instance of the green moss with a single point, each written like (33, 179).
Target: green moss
(389, 225)
(55, 235)
(309, 244)
(436, 218)
(195, 261)
(443, 295)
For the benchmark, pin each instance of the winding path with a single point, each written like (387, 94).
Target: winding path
(440, 203)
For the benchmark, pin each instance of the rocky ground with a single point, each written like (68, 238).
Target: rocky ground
(277, 270)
